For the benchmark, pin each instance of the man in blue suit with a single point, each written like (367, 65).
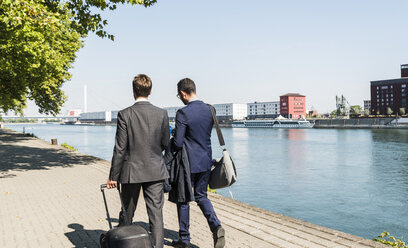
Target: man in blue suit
(193, 129)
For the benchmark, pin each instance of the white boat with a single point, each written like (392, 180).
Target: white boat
(274, 123)
(78, 123)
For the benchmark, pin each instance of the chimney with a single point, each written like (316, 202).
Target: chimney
(404, 71)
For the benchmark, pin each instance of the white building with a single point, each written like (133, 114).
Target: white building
(263, 110)
(96, 116)
(231, 111)
(367, 105)
(114, 115)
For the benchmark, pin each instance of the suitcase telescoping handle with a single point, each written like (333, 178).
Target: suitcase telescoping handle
(103, 187)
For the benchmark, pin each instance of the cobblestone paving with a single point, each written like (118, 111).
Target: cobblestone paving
(50, 197)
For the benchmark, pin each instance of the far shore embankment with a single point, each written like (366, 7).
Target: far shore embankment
(360, 123)
(326, 123)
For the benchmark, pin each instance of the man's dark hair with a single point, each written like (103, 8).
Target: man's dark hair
(142, 85)
(187, 85)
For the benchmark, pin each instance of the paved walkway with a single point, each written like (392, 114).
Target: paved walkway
(50, 197)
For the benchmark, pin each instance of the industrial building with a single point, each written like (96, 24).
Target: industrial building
(390, 94)
(231, 111)
(103, 116)
(293, 106)
(263, 110)
(74, 112)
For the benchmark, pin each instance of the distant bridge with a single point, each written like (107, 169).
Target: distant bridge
(40, 117)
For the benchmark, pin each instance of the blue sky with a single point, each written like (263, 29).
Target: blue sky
(243, 51)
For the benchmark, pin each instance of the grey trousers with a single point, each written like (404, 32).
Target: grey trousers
(154, 198)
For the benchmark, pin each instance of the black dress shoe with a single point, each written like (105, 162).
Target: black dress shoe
(178, 243)
(219, 237)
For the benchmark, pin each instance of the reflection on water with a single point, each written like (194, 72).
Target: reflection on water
(296, 134)
(296, 153)
(355, 181)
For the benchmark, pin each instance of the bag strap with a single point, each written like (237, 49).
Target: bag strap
(217, 126)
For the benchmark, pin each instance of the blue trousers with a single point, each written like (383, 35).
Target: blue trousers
(200, 182)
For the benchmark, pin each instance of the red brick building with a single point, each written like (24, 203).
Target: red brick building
(390, 93)
(293, 106)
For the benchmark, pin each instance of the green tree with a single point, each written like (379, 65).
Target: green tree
(402, 111)
(389, 111)
(355, 110)
(38, 44)
(366, 112)
(37, 47)
(333, 113)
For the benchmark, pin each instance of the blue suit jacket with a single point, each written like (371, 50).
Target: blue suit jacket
(193, 128)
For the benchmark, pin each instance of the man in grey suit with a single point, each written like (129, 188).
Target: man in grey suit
(142, 135)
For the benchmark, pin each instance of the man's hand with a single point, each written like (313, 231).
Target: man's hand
(111, 184)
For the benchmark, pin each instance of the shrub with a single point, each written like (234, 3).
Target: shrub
(386, 238)
(68, 146)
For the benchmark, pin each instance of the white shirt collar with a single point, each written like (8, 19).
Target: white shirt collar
(142, 100)
(194, 99)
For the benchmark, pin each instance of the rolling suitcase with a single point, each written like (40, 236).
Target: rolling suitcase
(129, 236)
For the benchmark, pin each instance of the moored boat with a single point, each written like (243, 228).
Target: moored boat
(273, 123)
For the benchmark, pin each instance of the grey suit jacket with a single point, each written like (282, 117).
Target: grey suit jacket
(142, 135)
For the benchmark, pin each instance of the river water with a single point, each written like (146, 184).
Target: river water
(355, 181)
